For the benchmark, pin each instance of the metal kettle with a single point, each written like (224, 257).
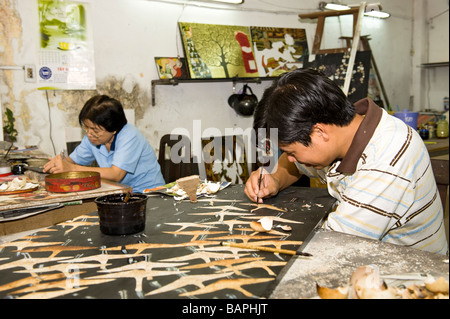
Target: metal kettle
(244, 103)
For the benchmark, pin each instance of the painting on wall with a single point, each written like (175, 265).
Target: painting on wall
(335, 66)
(218, 51)
(278, 50)
(171, 68)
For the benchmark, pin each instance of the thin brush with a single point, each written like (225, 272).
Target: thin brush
(259, 183)
(262, 248)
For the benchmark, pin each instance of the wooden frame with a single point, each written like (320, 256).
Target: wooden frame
(321, 24)
(357, 19)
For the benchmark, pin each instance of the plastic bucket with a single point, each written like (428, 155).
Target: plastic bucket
(409, 118)
(121, 218)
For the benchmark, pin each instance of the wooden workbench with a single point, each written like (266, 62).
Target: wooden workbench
(178, 256)
(67, 206)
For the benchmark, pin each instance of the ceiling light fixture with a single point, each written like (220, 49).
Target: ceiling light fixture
(333, 6)
(336, 6)
(374, 10)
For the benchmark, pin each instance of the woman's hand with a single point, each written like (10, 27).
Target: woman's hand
(57, 164)
(268, 187)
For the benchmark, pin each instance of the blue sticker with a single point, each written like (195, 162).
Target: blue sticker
(45, 73)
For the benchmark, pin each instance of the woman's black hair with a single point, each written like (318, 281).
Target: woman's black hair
(297, 101)
(104, 111)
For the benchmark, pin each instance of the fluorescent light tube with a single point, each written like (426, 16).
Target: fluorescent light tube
(377, 14)
(335, 6)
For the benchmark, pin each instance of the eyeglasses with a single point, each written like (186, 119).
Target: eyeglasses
(94, 132)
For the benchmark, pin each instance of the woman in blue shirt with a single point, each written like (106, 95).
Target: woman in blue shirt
(120, 150)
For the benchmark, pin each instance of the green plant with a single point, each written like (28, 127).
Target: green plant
(9, 131)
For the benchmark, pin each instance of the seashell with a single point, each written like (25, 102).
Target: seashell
(180, 192)
(377, 293)
(212, 187)
(330, 293)
(439, 285)
(263, 225)
(285, 227)
(365, 277)
(419, 292)
(256, 226)
(17, 184)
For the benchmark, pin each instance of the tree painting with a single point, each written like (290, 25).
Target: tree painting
(218, 51)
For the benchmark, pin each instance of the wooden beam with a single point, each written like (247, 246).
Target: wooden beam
(315, 15)
(318, 36)
(355, 45)
(366, 47)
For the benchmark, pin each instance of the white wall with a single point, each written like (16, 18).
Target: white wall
(128, 34)
(436, 50)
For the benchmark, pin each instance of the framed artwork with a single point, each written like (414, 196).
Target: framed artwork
(171, 68)
(278, 50)
(218, 51)
(334, 65)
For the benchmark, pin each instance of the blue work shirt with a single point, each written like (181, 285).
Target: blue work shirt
(130, 151)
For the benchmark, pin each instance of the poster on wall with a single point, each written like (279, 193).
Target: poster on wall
(335, 65)
(278, 50)
(218, 51)
(66, 50)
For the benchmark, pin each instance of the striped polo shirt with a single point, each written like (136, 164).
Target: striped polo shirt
(384, 186)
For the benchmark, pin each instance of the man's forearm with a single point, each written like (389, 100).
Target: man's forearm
(286, 172)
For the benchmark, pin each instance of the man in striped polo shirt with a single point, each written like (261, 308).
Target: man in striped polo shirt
(376, 166)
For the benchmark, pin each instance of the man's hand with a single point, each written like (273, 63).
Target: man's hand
(267, 188)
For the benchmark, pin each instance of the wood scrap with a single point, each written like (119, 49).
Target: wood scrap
(190, 184)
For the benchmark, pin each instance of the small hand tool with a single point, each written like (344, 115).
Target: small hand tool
(63, 154)
(269, 249)
(259, 183)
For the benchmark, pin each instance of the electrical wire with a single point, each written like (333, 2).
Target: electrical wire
(284, 7)
(439, 14)
(177, 34)
(224, 7)
(50, 123)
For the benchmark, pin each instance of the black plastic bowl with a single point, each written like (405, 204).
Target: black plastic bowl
(120, 218)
